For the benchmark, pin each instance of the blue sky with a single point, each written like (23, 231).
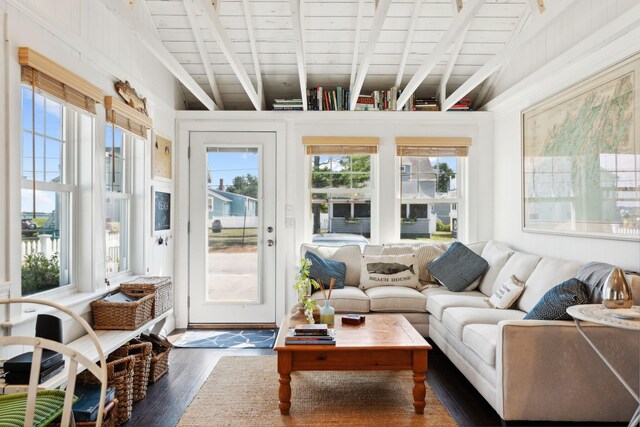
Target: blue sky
(229, 165)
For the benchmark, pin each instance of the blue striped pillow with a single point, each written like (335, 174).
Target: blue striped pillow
(553, 305)
(323, 270)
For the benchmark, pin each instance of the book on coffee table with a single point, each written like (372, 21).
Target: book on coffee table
(311, 329)
(292, 335)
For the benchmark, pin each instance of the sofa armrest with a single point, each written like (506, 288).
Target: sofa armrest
(546, 370)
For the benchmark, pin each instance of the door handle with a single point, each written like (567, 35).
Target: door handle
(270, 242)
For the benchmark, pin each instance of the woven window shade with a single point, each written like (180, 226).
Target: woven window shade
(340, 145)
(57, 81)
(126, 117)
(432, 147)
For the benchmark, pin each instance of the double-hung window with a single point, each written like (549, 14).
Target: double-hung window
(56, 119)
(117, 199)
(430, 186)
(342, 184)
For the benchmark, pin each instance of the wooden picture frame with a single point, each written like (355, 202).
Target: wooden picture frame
(161, 158)
(581, 158)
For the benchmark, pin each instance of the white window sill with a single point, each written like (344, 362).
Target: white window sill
(31, 311)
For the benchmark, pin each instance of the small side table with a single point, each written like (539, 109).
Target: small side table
(596, 313)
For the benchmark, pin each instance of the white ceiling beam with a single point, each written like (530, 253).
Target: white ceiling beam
(537, 7)
(217, 29)
(204, 55)
(356, 43)
(254, 51)
(138, 19)
(407, 45)
(459, 22)
(505, 54)
(489, 83)
(374, 33)
(296, 26)
(441, 92)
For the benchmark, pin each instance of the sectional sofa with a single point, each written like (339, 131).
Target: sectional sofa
(526, 369)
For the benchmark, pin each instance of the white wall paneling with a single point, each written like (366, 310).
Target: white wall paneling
(604, 46)
(293, 207)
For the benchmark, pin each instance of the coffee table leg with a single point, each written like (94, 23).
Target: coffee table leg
(284, 392)
(419, 385)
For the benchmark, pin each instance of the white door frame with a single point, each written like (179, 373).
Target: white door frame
(209, 123)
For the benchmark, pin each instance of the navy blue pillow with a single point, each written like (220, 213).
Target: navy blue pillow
(323, 270)
(553, 305)
(458, 267)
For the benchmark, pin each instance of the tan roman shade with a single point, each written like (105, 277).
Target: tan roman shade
(340, 145)
(44, 74)
(432, 146)
(126, 117)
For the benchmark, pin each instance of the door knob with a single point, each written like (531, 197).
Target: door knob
(269, 229)
(270, 242)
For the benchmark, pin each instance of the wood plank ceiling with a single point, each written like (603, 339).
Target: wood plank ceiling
(246, 53)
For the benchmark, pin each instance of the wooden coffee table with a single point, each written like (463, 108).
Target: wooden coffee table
(385, 342)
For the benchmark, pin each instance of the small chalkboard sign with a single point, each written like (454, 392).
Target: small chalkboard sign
(162, 211)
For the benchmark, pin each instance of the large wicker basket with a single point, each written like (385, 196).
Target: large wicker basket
(160, 359)
(120, 377)
(109, 419)
(160, 286)
(122, 315)
(141, 351)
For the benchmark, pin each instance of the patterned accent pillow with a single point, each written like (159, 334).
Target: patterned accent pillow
(389, 270)
(458, 267)
(323, 270)
(553, 305)
(507, 294)
(425, 254)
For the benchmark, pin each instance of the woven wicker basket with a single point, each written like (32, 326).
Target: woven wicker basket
(141, 351)
(120, 377)
(109, 419)
(122, 315)
(160, 359)
(160, 286)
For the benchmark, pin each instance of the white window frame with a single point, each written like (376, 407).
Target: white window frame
(459, 200)
(127, 194)
(372, 190)
(69, 152)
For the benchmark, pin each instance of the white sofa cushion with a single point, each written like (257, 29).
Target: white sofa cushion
(396, 299)
(349, 254)
(347, 300)
(520, 265)
(456, 318)
(548, 273)
(436, 290)
(436, 304)
(496, 254)
(482, 340)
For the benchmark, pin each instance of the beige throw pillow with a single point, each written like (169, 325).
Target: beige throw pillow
(389, 270)
(425, 254)
(507, 294)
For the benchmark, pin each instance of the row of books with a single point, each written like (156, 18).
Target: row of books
(310, 334)
(319, 99)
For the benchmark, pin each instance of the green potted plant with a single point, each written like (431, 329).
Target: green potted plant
(303, 287)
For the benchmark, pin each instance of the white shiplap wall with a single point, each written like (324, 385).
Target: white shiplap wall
(86, 38)
(602, 20)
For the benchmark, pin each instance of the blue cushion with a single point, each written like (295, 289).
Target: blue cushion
(458, 267)
(553, 305)
(323, 270)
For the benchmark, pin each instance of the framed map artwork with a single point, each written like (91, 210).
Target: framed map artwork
(161, 154)
(581, 158)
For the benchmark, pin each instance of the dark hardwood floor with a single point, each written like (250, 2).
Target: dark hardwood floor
(168, 398)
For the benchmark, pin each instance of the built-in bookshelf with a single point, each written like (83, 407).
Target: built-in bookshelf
(338, 99)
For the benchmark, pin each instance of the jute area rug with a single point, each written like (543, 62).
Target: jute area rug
(243, 391)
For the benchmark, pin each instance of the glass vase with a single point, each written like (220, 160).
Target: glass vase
(327, 313)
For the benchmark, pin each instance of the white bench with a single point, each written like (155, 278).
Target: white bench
(109, 340)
